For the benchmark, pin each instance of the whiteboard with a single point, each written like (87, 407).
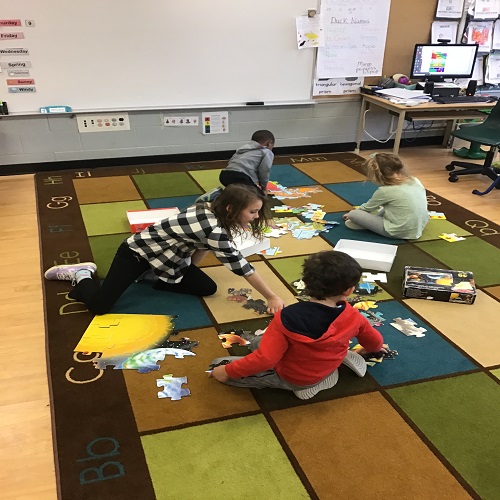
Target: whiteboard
(355, 34)
(126, 54)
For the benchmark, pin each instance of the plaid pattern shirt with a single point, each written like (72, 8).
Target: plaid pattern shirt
(169, 244)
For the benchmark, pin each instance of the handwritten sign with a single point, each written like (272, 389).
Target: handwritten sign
(355, 34)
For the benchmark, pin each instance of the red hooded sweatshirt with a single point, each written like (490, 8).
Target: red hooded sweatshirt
(300, 359)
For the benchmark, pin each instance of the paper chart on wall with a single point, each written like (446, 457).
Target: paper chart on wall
(493, 69)
(451, 9)
(495, 44)
(481, 33)
(478, 73)
(486, 9)
(355, 34)
(444, 30)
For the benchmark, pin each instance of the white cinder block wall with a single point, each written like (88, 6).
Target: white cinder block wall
(32, 139)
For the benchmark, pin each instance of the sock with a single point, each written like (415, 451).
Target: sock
(82, 274)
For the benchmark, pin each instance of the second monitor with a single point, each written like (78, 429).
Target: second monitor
(436, 62)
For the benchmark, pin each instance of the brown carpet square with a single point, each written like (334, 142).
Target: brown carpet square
(105, 189)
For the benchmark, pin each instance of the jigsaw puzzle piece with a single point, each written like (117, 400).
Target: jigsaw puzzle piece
(184, 343)
(272, 251)
(143, 362)
(366, 288)
(365, 305)
(408, 327)
(172, 387)
(230, 338)
(382, 277)
(259, 306)
(117, 362)
(375, 319)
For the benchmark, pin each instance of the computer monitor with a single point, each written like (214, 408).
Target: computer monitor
(435, 62)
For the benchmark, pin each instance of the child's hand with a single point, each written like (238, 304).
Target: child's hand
(275, 304)
(362, 351)
(219, 374)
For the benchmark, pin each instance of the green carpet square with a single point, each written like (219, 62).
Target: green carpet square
(437, 226)
(104, 249)
(109, 218)
(166, 185)
(460, 417)
(207, 179)
(289, 268)
(472, 254)
(230, 459)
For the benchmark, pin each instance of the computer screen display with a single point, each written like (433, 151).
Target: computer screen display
(435, 62)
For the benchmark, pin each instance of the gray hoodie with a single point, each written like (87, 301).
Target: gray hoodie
(254, 160)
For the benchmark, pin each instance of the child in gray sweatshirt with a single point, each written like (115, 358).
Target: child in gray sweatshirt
(252, 162)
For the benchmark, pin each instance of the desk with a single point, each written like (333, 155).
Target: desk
(426, 111)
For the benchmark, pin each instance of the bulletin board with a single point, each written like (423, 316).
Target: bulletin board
(409, 24)
(125, 54)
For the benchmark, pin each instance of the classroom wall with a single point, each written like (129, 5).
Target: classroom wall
(44, 138)
(29, 139)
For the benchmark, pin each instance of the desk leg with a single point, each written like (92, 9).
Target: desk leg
(450, 126)
(399, 131)
(361, 123)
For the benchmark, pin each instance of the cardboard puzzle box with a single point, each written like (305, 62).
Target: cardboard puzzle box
(439, 284)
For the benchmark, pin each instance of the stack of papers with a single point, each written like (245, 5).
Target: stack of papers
(403, 94)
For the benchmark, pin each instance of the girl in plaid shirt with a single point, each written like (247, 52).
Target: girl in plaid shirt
(173, 247)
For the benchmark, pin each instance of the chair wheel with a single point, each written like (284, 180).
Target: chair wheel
(450, 167)
(453, 178)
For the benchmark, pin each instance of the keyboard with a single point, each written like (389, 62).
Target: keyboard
(463, 99)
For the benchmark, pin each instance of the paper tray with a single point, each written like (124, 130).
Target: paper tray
(372, 256)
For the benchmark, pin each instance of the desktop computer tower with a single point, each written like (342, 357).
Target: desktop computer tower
(438, 89)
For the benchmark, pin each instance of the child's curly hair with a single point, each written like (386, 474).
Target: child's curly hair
(232, 201)
(386, 169)
(329, 274)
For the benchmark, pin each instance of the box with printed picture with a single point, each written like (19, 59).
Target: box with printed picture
(443, 285)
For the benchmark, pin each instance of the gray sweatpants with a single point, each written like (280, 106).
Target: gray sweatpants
(372, 222)
(262, 380)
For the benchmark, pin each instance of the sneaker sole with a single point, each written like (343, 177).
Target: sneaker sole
(91, 265)
(327, 383)
(355, 362)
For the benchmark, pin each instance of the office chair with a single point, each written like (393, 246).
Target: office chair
(486, 133)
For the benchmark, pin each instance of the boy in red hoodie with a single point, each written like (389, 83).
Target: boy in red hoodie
(306, 342)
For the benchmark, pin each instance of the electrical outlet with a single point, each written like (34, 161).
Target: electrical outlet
(103, 123)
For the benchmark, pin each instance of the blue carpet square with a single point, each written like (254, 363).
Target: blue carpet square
(355, 193)
(418, 358)
(180, 202)
(289, 176)
(342, 232)
(140, 298)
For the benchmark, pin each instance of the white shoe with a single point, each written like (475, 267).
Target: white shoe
(350, 224)
(326, 383)
(355, 362)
